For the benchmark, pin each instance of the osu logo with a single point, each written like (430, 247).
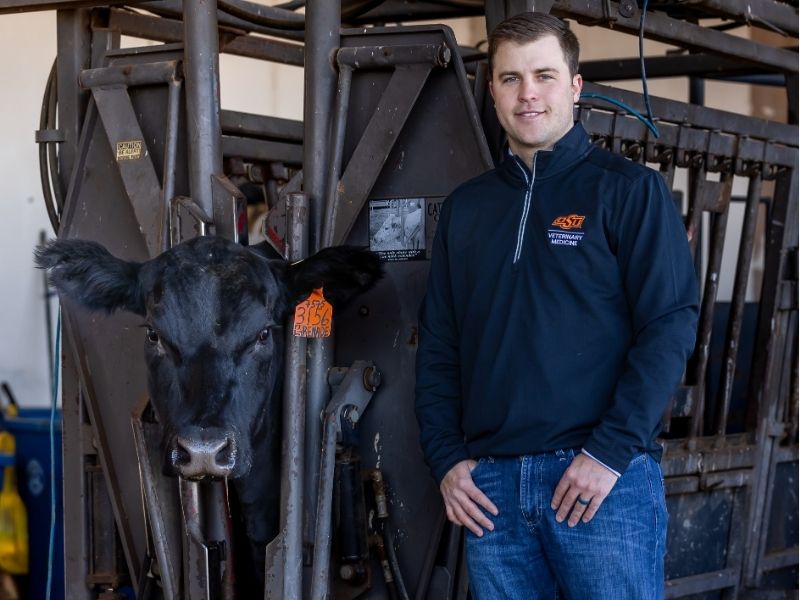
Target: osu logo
(569, 222)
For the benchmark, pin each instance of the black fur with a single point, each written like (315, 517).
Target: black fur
(86, 273)
(212, 369)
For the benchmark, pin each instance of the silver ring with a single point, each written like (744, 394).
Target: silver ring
(582, 501)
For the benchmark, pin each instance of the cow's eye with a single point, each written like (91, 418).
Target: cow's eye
(263, 336)
(152, 336)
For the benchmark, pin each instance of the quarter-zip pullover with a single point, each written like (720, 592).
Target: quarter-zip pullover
(560, 310)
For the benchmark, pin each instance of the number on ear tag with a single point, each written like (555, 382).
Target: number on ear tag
(313, 317)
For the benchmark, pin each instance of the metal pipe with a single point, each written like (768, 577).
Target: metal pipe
(294, 409)
(706, 325)
(170, 153)
(201, 70)
(737, 305)
(129, 75)
(322, 29)
(375, 57)
(322, 538)
(337, 148)
(322, 32)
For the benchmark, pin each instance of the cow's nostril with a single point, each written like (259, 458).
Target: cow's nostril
(225, 456)
(181, 455)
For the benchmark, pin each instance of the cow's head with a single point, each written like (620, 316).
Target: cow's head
(213, 333)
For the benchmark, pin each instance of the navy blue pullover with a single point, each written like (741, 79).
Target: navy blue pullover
(560, 310)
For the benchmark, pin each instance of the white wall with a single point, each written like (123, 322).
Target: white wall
(27, 50)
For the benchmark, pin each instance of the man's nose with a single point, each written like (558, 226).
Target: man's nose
(528, 90)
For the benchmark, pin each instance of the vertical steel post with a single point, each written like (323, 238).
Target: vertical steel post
(294, 413)
(74, 54)
(322, 39)
(201, 72)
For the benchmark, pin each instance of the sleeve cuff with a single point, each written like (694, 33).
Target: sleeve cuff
(598, 461)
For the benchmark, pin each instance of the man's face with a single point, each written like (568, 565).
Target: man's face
(533, 94)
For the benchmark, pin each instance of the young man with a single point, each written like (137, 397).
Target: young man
(560, 311)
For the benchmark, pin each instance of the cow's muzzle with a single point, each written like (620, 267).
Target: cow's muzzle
(207, 457)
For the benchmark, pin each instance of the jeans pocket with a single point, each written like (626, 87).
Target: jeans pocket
(482, 462)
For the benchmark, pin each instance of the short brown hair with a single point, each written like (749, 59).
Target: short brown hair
(530, 27)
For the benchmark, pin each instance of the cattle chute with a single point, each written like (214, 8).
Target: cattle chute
(399, 103)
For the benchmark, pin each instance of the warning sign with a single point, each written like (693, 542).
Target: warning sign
(397, 228)
(130, 150)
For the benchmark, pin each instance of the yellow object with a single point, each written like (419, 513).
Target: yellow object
(13, 517)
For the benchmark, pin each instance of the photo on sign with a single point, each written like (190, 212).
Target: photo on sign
(397, 228)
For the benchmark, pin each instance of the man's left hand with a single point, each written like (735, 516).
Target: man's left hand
(584, 479)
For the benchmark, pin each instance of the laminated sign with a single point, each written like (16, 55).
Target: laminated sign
(313, 317)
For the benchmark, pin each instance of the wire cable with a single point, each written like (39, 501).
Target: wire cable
(627, 108)
(645, 92)
(51, 545)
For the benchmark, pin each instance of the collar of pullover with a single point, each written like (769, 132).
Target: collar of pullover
(568, 150)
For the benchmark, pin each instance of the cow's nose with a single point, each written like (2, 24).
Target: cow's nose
(198, 458)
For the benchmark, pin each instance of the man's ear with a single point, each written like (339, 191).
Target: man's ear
(577, 87)
(341, 272)
(87, 274)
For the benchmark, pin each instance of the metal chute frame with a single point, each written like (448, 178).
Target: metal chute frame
(730, 447)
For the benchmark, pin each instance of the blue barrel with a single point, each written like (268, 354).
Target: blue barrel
(31, 429)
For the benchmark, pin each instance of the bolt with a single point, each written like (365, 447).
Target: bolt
(347, 572)
(627, 8)
(372, 378)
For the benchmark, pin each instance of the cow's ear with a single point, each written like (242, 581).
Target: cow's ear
(86, 273)
(341, 271)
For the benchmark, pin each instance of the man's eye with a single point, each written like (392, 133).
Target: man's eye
(152, 336)
(263, 336)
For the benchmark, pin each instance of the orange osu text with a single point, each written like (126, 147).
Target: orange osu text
(569, 222)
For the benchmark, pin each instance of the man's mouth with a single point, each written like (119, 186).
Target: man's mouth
(529, 114)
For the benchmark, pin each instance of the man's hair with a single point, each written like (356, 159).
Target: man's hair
(530, 27)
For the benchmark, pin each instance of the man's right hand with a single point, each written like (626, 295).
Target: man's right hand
(462, 497)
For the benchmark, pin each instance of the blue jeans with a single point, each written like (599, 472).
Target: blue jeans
(619, 554)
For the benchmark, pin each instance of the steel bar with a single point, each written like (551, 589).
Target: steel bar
(18, 6)
(708, 66)
(376, 57)
(258, 126)
(699, 116)
(337, 148)
(170, 153)
(138, 175)
(76, 444)
(233, 41)
(767, 14)
(151, 73)
(74, 55)
(162, 539)
(201, 67)
(322, 31)
(737, 306)
(196, 578)
(665, 29)
(322, 535)
(262, 150)
(708, 304)
(697, 584)
(294, 415)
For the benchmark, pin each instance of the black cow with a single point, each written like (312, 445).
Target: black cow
(214, 345)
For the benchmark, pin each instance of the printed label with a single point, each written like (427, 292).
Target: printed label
(130, 150)
(397, 228)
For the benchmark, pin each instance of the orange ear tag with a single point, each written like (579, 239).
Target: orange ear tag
(313, 317)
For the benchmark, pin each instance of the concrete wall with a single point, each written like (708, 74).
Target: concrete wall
(27, 49)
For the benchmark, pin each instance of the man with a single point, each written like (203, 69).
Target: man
(560, 311)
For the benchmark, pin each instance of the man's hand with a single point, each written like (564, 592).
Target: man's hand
(584, 479)
(462, 497)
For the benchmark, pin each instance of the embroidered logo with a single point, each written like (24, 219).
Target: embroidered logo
(568, 232)
(569, 222)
